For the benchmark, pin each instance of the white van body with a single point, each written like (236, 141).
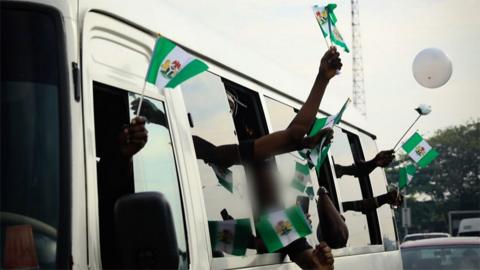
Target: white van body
(469, 227)
(112, 42)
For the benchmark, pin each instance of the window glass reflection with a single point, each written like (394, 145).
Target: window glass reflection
(349, 189)
(280, 117)
(207, 103)
(154, 166)
(378, 183)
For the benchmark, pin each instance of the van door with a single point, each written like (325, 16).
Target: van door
(116, 56)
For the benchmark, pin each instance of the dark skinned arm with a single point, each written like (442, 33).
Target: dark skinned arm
(367, 205)
(382, 159)
(223, 155)
(290, 139)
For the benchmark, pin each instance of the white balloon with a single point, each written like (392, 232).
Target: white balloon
(432, 68)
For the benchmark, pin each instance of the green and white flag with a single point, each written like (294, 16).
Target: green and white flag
(419, 150)
(171, 65)
(406, 175)
(230, 236)
(334, 33)
(315, 156)
(302, 177)
(321, 15)
(280, 228)
(330, 121)
(224, 176)
(327, 21)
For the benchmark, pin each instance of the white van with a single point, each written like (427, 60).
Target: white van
(469, 227)
(70, 70)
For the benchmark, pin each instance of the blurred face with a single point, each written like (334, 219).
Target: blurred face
(265, 186)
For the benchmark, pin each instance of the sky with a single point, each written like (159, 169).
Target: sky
(392, 33)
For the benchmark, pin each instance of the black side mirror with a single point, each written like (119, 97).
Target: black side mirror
(145, 233)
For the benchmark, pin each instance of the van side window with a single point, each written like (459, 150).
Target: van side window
(153, 168)
(225, 197)
(379, 187)
(350, 190)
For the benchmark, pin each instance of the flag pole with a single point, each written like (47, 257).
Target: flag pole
(329, 28)
(418, 117)
(141, 99)
(145, 82)
(326, 41)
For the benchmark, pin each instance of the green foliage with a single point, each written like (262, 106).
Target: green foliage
(451, 182)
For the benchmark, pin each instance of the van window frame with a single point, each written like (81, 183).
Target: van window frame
(64, 248)
(161, 98)
(367, 190)
(94, 72)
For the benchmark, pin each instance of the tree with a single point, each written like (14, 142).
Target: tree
(451, 182)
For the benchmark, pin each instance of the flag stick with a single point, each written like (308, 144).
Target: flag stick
(326, 41)
(141, 98)
(329, 28)
(407, 131)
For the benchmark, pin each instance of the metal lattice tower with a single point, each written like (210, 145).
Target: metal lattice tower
(357, 65)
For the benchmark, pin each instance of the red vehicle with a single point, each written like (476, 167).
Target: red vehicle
(458, 253)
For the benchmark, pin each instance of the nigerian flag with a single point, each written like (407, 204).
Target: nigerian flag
(328, 122)
(230, 236)
(317, 156)
(280, 228)
(302, 177)
(327, 21)
(406, 175)
(419, 150)
(171, 65)
(224, 176)
(322, 18)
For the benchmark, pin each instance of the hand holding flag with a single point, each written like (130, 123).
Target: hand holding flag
(330, 64)
(316, 155)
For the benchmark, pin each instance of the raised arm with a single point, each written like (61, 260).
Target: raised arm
(291, 138)
(382, 159)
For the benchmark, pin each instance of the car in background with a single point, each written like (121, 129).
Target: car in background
(419, 236)
(460, 253)
(469, 227)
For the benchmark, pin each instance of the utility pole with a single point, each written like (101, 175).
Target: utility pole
(357, 66)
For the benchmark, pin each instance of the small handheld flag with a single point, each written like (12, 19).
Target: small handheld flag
(170, 66)
(280, 228)
(230, 236)
(419, 150)
(315, 156)
(327, 21)
(406, 175)
(224, 176)
(302, 177)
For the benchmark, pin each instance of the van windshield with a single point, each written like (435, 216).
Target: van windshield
(30, 135)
